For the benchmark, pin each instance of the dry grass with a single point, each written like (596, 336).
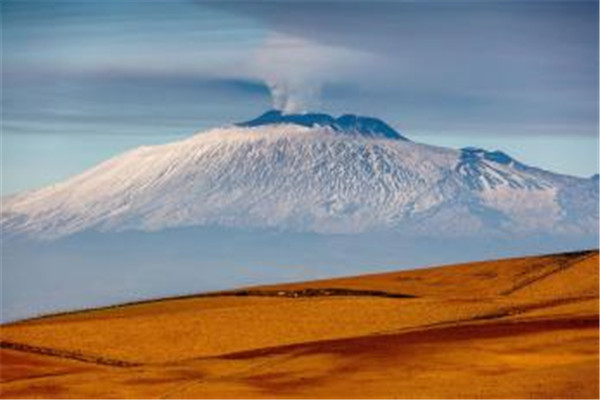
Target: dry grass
(520, 328)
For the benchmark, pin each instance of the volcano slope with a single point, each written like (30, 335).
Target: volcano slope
(514, 328)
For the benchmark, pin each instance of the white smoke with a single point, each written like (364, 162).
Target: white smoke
(293, 96)
(295, 70)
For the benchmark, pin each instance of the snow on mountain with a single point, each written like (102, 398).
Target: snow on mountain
(309, 173)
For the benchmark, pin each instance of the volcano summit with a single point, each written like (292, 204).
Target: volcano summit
(346, 124)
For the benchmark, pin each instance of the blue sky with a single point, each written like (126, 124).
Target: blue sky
(85, 80)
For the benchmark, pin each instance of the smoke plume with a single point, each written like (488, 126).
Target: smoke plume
(291, 96)
(295, 70)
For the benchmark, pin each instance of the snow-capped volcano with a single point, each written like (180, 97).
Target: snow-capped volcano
(309, 173)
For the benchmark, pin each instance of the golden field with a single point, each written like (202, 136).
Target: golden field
(515, 328)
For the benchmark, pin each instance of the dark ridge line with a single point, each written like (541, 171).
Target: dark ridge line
(517, 310)
(562, 261)
(577, 322)
(285, 293)
(318, 292)
(72, 355)
(498, 315)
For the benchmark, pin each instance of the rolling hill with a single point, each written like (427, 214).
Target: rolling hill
(512, 328)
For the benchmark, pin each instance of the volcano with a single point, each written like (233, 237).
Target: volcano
(309, 173)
